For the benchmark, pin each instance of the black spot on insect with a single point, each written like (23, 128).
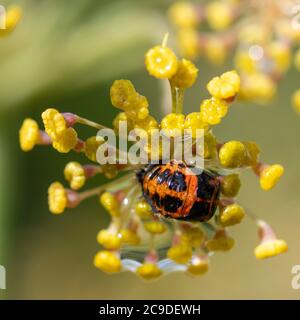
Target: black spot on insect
(207, 184)
(177, 182)
(171, 204)
(163, 176)
(200, 210)
(157, 200)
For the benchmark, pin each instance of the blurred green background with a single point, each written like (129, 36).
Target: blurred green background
(65, 54)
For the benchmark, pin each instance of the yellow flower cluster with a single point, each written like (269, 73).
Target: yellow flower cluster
(138, 238)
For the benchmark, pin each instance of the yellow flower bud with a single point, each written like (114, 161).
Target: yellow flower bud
(231, 215)
(270, 249)
(155, 227)
(226, 86)
(173, 124)
(270, 176)
(281, 54)
(28, 134)
(125, 97)
(218, 14)
(213, 110)
(253, 152)
(210, 145)
(107, 261)
(57, 198)
(194, 121)
(110, 203)
(183, 14)
(233, 154)
(185, 76)
(66, 141)
(90, 148)
(74, 173)
(192, 237)
(198, 266)
(161, 62)
(109, 240)
(54, 122)
(189, 43)
(148, 124)
(215, 51)
(149, 271)
(258, 87)
(230, 185)
(181, 253)
(220, 242)
(143, 209)
(121, 117)
(130, 237)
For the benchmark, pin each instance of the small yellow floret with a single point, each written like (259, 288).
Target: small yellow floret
(213, 110)
(130, 237)
(270, 249)
(155, 227)
(270, 176)
(107, 261)
(210, 145)
(28, 134)
(66, 141)
(161, 62)
(173, 124)
(185, 76)
(57, 198)
(90, 148)
(192, 237)
(219, 15)
(188, 40)
(194, 122)
(226, 86)
(181, 253)
(183, 14)
(231, 215)
(125, 97)
(54, 122)
(230, 185)
(233, 154)
(220, 242)
(109, 240)
(149, 271)
(110, 203)
(74, 173)
(143, 209)
(215, 51)
(198, 266)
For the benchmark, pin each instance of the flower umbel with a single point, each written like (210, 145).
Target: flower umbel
(160, 214)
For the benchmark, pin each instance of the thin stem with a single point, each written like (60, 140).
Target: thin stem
(90, 123)
(165, 40)
(180, 96)
(174, 98)
(97, 191)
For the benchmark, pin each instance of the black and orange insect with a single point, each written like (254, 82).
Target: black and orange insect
(174, 192)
